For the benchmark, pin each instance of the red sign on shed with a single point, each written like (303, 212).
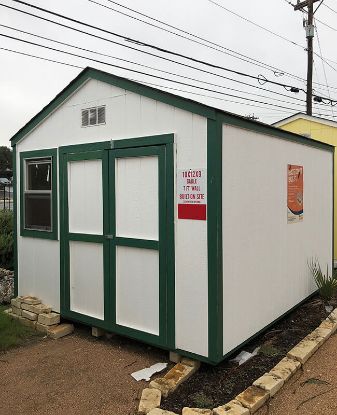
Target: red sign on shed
(192, 194)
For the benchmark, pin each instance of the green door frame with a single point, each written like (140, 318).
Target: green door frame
(162, 146)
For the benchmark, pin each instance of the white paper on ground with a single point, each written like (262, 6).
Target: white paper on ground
(243, 356)
(145, 374)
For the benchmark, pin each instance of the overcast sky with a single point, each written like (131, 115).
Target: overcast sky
(28, 84)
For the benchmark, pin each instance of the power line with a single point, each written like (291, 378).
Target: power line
(211, 45)
(41, 58)
(256, 24)
(141, 72)
(330, 8)
(326, 79)
(258, 78)
(143, 82)
(149, 67)
(148, 83)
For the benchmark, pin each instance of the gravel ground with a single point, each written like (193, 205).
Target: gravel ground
(312, 391)
(75, 375)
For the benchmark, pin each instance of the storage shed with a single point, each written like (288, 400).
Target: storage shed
(166, 220)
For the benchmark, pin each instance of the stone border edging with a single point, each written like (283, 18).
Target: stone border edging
(255, 396)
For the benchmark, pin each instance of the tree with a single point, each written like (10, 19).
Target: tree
(6, 161)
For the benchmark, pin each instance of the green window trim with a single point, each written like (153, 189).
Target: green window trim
(33, 233)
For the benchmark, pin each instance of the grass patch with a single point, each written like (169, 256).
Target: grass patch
(13, 333)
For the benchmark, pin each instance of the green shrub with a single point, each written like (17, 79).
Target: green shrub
(326, 284)
(6, 239)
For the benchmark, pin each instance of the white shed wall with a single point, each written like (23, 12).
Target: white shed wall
(128, 115)
(265, 270)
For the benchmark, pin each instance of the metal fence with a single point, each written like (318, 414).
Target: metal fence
(6, 197)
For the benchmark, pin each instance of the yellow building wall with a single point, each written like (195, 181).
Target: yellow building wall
(325, 134)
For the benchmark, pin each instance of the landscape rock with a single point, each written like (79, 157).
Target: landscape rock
(270, 383)
(16, 302)
(27, 323)
(303, 350)
(29, 315)
(253, 398)
(16, 310)
(164, 385)
(158, 411)
(231, 408)
(49, 319)
(149, 400)
(36, 308)
(30, 300)
(42, 328)
(60, 330)
(196, 411)
(181, 372)
(285, 368)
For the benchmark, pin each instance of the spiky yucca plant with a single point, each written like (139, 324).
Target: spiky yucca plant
(326, 284)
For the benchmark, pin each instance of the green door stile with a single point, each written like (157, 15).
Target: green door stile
(108, 152)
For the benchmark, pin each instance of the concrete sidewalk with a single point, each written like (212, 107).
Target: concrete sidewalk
(313, 390)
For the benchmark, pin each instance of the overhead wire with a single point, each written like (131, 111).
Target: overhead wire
(147, 83)
(209, 44)
(260, 78)
(264, 80)
(150, 67)
(141, 43)
(324, 71)
(140, 72)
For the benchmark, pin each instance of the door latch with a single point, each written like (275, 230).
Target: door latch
(108, 236)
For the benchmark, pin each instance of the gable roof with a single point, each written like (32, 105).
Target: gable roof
(161, 96)
(303, 116)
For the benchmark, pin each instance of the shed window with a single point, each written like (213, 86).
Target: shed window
(38, 201)
(93, 116)
(38, 192)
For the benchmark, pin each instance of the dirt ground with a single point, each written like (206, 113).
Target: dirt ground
(311, 391)
(75, 375)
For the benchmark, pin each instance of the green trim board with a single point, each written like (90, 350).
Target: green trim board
(35, 154)
(144, 141)
(15, 225)
(214, 239)
(166, 237)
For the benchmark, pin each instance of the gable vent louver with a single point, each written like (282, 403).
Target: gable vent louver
(93, 116)
(101, 115)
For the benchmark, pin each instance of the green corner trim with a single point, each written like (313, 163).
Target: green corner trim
(25, 155)
(15, 225)
(214, 239)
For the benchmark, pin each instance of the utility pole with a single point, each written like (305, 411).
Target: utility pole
(310, 31)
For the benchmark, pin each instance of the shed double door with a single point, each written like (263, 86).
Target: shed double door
(114, 240)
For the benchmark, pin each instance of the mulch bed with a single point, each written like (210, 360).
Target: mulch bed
(213, 386)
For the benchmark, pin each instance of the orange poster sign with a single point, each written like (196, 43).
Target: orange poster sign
(295, 193)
